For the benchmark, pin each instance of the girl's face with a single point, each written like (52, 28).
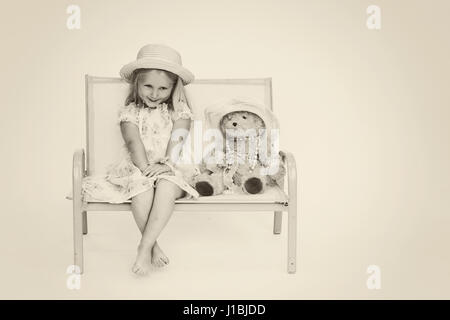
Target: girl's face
(154, 87)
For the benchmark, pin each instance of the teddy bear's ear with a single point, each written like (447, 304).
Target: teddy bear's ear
(261, 123)
(225, 117)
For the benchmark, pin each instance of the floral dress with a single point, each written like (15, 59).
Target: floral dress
(123, 179)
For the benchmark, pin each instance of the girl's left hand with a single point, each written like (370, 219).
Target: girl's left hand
(156, 169)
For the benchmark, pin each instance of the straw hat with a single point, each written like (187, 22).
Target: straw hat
(157, 56)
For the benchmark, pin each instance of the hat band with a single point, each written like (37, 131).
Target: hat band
(160, 54)
(157, 60)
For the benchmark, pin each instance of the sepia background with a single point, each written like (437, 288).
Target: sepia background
(365, 112)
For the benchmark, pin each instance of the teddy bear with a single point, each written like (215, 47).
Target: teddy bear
(242, 169)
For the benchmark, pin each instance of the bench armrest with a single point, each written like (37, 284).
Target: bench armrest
(78, 173)
(291, 168)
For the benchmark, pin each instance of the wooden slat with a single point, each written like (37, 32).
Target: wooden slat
(196, 207)
(89, 122)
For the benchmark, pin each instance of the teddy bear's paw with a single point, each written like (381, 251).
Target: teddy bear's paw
(204, 188)
(253, 185)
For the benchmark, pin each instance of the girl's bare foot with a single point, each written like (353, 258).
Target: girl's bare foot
(143, 259)
(159, 259)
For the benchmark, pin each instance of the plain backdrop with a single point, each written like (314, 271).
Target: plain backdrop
(365, 112)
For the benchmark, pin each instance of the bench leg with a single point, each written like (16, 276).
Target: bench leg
(79, 215)
(292, 237)
(277, 218)
(292, 211)
(85, 224)
(78, 235)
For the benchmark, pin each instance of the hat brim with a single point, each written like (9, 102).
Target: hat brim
(151, 63)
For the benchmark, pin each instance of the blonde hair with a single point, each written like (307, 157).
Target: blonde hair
(177, 96)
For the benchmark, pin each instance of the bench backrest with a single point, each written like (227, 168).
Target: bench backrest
(105, 96)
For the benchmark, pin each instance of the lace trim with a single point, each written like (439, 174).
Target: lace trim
(183, 113)
(129, 113)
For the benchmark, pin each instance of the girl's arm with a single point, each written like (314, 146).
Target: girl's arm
(168, 166)
(178, 124)
(130, 134)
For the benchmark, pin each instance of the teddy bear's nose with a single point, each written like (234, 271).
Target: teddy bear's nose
(234, 124)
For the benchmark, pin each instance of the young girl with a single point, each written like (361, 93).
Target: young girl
(149, 174)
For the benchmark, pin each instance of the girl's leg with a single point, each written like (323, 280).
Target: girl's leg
(163, 203)
(140, 207)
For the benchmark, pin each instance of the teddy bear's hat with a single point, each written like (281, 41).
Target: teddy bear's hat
(215, 113)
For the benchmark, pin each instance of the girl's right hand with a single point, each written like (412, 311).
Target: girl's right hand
(157, 168)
